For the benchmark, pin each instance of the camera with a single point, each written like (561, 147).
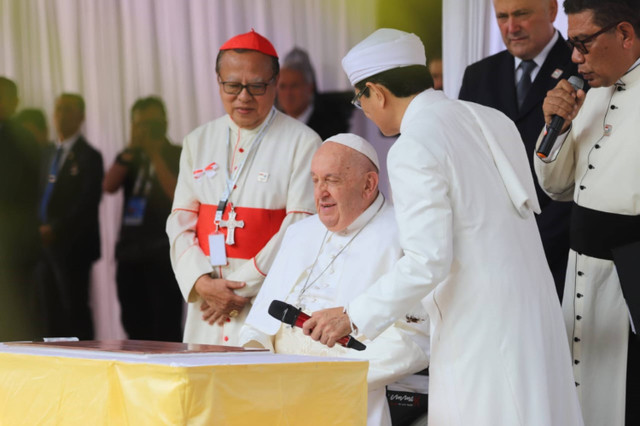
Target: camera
(156, 128)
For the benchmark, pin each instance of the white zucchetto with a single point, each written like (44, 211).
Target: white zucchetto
(359, 144)
(383, 50)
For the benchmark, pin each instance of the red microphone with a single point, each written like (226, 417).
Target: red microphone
(293, 316)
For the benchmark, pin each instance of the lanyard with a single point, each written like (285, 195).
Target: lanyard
(231, 180)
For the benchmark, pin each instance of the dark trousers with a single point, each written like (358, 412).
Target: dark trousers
(19, 313)
(150, 300)
(63, 291)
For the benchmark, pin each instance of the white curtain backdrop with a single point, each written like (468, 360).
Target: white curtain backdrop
(470, 33)
(114, 51)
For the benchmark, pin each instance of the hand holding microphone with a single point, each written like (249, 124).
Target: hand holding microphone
(563, 102)
(293, 316)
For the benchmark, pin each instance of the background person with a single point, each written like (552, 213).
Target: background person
(435, 69)
(35, 122)
(19, 239)
(326, 113)
(150, 302)
(71, 188)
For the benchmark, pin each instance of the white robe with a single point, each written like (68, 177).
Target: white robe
(599, 339)
(464, 197)
(398, 352)
(275, 178)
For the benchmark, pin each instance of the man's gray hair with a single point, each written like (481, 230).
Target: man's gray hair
(298, 60)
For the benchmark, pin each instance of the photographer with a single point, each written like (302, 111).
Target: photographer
(147, 169)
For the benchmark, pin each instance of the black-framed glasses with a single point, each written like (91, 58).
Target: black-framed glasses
(356, 99)
(580, 44)
(254, 89)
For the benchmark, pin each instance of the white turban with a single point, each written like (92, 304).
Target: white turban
(383, 50)
(356, 142)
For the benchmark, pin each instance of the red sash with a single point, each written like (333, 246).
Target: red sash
(259, 226)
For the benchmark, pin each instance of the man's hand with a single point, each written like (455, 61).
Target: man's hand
(564, 101)
(328, 326)
(219, 298)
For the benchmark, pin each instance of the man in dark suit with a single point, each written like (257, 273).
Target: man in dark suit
(19, 159)
(71, 190)
(528, 33)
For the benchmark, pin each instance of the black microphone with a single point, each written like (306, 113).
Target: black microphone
(293, 316)
(552, 132)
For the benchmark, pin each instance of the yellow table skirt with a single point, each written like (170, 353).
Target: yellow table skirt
(53, 390)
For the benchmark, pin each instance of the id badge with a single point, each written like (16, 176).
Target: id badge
(134, 211)
(217, 249)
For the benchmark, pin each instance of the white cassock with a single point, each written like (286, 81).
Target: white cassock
(350, 265)
(464, 201)
(598, 167)
(273, 191)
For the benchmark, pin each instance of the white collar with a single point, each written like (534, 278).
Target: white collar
(68, 143)
(364, 217)
(634, 66)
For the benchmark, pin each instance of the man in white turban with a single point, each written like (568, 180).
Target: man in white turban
(464, 201)
(330, 258)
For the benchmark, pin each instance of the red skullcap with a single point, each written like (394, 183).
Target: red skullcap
(251, 41)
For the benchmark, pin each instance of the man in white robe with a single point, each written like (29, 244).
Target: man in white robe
(251, 166)
(330, 258)
(464, 201)
(595, 163)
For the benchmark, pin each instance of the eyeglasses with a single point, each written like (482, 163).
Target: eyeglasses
(254, 89)
(580, 44)
(356, 99)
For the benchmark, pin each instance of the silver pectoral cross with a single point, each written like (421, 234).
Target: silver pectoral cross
(231, 224)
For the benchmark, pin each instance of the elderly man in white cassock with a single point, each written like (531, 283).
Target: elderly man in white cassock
(465, 203)
(330, 258)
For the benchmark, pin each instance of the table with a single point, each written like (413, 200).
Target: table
(68, 386)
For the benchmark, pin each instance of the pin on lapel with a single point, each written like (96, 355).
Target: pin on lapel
(211, 170)
(556, 74)
(263, 177)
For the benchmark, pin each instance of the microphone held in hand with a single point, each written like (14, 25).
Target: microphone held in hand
(293, 316)
(557, 122)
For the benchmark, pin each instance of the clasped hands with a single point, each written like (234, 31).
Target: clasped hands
(219, 300)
